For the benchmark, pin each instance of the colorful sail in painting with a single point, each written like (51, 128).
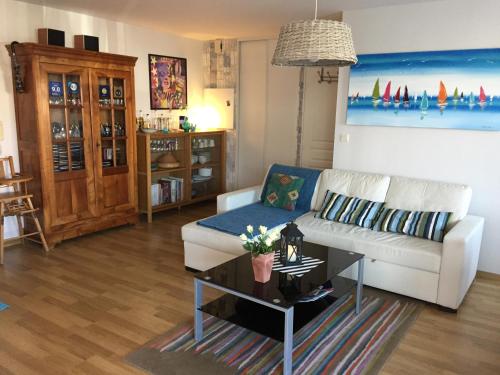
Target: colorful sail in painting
(387, 93)
(462, 96)
(455, 96)
(472, 100)
(442, 96)
(376, 92)
(424, 104)
(397, 97)
(406, 97)
(482, 95)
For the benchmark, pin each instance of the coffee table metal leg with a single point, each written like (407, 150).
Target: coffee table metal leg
(359, 288)
(198, 314)
(288, 343)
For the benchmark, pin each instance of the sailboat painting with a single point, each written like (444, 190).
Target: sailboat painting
(457, 89)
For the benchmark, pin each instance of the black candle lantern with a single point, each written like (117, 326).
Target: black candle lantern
(291, 245)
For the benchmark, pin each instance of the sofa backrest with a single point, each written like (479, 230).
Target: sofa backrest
(354, 184)
(308, 192)
(423, 195)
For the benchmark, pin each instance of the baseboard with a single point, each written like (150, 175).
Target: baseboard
(489, 275)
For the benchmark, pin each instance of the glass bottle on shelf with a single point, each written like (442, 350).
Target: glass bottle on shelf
(168, 123)
(147, 122)
(140, 120)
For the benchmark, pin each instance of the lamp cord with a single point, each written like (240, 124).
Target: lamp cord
(316, 11)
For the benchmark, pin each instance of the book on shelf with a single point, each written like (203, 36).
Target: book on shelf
(167, 190)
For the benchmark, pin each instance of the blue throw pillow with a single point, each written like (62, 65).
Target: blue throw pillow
(349, 210)
(428, 225)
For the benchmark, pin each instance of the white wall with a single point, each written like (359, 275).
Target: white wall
(269, 104)
(470, 157)
(252, 113)
(20, 21)
(268, 112)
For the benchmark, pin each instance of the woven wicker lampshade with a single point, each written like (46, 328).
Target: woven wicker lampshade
(315, 43)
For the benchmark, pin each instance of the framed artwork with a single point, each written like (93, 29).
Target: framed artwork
(438, 89)
(167, 82)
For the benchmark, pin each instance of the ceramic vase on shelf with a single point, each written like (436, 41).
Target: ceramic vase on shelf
(262, 267)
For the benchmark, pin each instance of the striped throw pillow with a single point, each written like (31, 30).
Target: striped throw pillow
(429, 225)
(349, 210)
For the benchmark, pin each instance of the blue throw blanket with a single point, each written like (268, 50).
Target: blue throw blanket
(235, 221)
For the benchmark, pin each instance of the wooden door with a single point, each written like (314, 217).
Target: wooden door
(113, 124)
(65, 134)
(320, 104)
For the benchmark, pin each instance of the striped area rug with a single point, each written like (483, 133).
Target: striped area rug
(335, 342)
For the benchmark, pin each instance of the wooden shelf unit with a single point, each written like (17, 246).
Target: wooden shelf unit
(193, 191)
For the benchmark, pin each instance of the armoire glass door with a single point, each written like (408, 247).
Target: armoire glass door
(65, 90)
(113, 124)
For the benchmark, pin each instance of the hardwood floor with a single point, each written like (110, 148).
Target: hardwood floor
(80, 309)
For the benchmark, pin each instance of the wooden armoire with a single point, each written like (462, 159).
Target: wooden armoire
(76, 136)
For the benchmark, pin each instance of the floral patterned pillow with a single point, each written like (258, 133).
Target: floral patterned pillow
(283, 191)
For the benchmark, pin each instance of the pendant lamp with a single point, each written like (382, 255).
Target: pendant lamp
(315, 43)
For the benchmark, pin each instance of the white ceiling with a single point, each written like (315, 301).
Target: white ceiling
(210, 19)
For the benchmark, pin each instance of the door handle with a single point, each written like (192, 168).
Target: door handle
(98, 145)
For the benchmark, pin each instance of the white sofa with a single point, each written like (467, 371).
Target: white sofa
(436, 272)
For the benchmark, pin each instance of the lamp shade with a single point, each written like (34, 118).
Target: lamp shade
(315, 43)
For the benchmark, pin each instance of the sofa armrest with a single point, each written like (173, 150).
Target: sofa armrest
(459, 260)
(238, 198)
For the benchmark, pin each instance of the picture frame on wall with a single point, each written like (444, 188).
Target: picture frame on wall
(167, 82)
(451, 89)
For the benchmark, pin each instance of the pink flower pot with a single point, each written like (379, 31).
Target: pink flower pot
(262, 267)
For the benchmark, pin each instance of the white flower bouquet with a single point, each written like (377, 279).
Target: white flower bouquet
(260, 244)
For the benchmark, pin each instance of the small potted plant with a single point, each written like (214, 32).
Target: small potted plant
(261, 247)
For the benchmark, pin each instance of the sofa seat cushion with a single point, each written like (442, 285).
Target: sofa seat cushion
(388, 247)
(213, 239)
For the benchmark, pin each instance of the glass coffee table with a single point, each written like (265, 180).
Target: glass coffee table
(277, 309)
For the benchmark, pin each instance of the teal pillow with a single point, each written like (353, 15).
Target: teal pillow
(283, 191)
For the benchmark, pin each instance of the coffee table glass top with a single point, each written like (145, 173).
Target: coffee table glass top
(284, 290)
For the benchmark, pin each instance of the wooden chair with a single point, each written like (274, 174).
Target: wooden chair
(16, 201)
